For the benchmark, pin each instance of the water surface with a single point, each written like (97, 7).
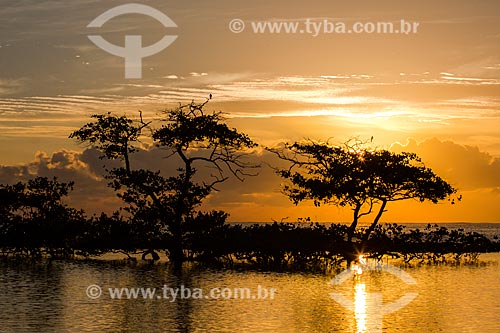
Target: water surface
(51, 297)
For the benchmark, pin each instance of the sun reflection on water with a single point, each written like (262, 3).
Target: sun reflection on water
(360, 307)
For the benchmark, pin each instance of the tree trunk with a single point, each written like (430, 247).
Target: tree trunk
(176, 247)
(354, 224)
(375, 221)
(182, 210)
(350, 234)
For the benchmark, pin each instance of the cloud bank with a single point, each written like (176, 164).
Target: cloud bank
(475, 173)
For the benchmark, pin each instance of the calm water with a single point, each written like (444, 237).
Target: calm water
(52, 298)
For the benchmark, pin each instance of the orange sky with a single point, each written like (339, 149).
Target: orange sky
(435, 92)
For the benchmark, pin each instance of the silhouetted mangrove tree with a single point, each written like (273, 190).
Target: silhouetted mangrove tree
(161, 213)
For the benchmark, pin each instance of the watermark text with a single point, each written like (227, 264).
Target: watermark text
(317, 27)
(172, 294)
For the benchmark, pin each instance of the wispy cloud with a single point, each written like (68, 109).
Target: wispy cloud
(362, 102)
(10, 87)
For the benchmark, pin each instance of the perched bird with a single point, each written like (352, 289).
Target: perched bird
(210, 96)
(371, 140)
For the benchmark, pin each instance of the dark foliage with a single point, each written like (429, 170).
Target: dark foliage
(162, 208)
(35, 223)
(357, 176)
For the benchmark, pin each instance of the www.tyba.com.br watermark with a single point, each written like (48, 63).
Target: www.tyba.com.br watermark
(315, 27)
(173, 294)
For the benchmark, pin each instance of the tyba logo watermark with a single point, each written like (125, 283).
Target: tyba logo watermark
(133, 51)
(368, 307)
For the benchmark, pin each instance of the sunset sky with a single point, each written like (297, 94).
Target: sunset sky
(435, 92)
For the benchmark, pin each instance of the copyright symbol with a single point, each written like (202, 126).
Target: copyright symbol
(94, 291)
(236, 26)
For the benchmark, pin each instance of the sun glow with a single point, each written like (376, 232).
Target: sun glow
(358, 266)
